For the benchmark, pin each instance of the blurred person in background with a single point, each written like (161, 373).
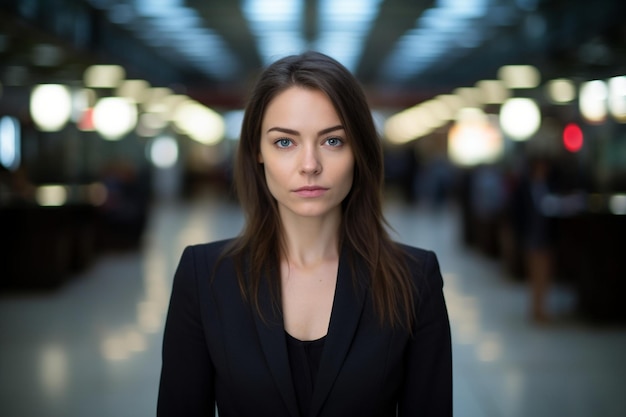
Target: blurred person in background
(312, 310)
(537, 234)
(488, 202)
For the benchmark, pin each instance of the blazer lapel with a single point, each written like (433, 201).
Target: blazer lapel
(272, 336)
(346, 312)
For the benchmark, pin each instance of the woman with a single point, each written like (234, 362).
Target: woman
(312, 310)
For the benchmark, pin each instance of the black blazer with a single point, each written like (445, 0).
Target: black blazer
(217, 349)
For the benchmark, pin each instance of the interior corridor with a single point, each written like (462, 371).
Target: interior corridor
(92, 347)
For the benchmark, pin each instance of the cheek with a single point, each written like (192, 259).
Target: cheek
(348, 176)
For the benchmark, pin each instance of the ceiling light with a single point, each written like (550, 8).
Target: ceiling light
(104, 76)
(114, 117)
(276, 26)
(561, 91)
(50, 106)
(593, 101)
(519, 76)
(520, 118)
(492, 91)
(617, 98)
(437, 32)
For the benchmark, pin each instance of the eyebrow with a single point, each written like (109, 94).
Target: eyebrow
(296, 133)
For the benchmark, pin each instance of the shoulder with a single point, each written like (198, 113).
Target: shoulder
(424, 266)
(205, 255)
(208, 250)
(415, 252)
(428, 283)
(417, 257)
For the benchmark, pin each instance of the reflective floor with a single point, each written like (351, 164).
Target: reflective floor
(92, 348)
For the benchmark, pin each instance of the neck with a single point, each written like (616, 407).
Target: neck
(311, 240)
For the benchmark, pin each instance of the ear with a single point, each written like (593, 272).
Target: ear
(259, 158)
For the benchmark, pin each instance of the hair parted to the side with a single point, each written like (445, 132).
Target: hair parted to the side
(259, 248)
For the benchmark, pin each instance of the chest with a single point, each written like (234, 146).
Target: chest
(250, 357)
(307, 300)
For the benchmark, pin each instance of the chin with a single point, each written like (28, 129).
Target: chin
(311, 210)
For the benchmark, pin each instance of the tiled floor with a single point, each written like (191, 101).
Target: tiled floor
(92, 348)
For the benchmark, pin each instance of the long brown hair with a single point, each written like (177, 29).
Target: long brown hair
(258, 249)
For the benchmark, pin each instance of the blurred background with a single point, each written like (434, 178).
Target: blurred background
(504, 130)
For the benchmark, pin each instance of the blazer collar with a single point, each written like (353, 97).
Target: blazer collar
(346, 311)
(271, 331)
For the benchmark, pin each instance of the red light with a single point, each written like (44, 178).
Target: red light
(85, 123)
(572, 137)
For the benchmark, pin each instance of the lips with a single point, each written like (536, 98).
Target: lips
(310, 191)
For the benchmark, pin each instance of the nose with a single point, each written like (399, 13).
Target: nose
(310, 163)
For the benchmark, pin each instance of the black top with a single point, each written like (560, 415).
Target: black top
(304, 360)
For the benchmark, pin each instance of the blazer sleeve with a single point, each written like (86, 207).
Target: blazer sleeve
(427, 390)
(187, 375)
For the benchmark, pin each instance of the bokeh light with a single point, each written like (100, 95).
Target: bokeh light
(474, 139)
(617, 98)
(593, 101)
(114, 117)
(10, 143)
(104, 76)
(164, 152)
(572, 137)
(617, 204)
(50, 106)
(520, 118)
(51, 195)
(519, 76)
(561, 91)
(199, 122)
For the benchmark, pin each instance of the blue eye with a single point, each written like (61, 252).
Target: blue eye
(283, 143)
(334, 142)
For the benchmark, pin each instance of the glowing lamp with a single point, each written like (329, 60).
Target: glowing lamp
(572, 137)
(519, 76)
(617, 98)
(50, 106)
(200, 123)
(114, 117)
(561, 91)
(473, 139)
(51, 195)
(520, 118)
(593, 101)
(164, 152)
(10, 143)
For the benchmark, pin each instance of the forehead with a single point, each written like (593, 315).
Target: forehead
(300, 106)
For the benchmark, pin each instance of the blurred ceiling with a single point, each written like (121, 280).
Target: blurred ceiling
(402, 51)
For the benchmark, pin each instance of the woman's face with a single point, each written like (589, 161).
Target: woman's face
(306, 155)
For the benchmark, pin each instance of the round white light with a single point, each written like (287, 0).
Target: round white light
(474, 139)
(164, 152)
(593, 101)
(114, 117)
(50, 106)
(520, 118)
(561, 91)
(617, 204)
(617, 98)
